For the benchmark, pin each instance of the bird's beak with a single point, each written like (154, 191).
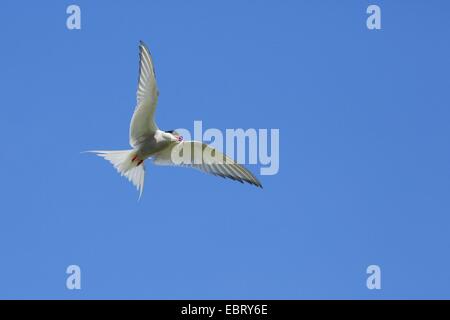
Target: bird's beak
(177, 138)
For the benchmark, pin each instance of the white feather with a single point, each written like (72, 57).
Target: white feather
(122, 161)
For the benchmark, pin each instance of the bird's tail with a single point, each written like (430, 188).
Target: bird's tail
(123, 161)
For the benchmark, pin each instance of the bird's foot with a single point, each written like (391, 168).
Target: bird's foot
(139, 161)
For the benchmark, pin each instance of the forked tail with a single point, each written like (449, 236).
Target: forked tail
(125, 164)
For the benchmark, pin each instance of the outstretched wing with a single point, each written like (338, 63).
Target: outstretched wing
(142, 123)
(200, 156)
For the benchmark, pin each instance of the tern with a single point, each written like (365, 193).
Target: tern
(148, 141)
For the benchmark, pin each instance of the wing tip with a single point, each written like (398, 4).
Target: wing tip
(143, 50)
(256, 183)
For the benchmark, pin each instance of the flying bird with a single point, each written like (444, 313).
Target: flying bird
(148, 141)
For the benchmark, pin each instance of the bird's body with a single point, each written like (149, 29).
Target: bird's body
(154, 143)
(148, 141)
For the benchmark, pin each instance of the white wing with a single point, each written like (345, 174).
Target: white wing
(200, 156)
(142, 123)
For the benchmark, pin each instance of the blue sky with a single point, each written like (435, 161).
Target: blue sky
(364, 150)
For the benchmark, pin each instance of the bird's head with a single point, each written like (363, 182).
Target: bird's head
(176, 136)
